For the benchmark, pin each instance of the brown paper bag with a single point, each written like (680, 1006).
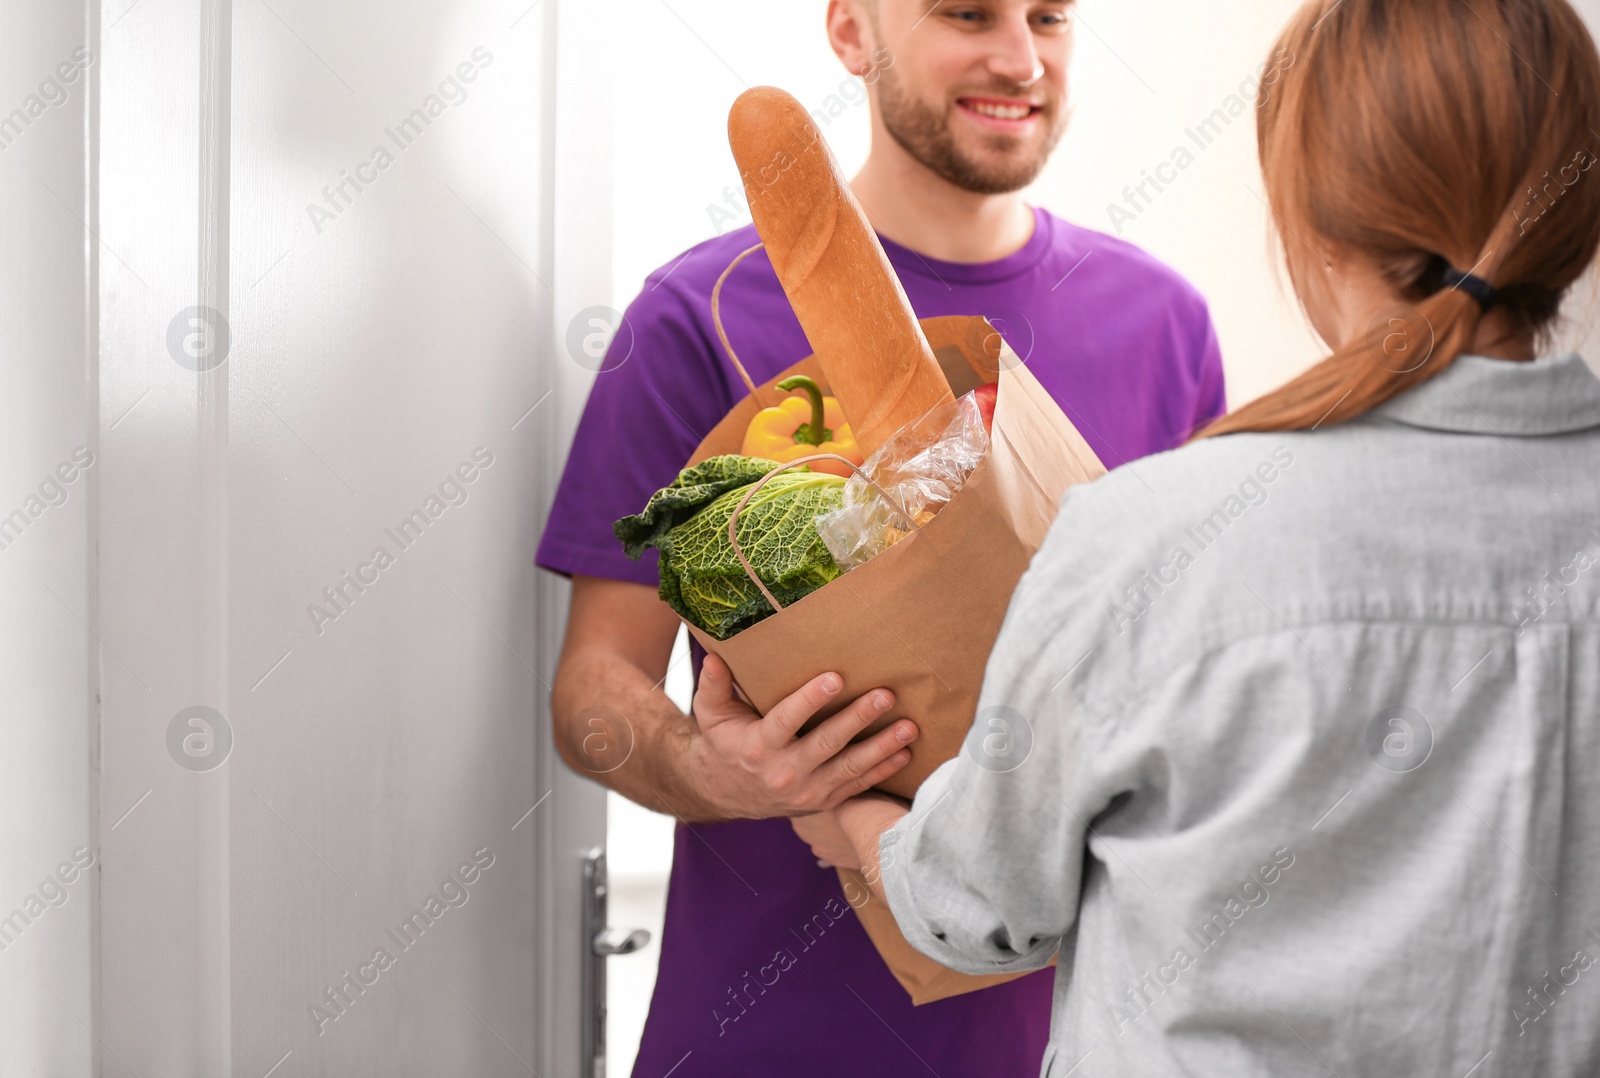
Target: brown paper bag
(921, 618)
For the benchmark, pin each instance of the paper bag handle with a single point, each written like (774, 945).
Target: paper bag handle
(716, 320)
(733, 520)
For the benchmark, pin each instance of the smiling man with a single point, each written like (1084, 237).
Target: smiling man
(764, 968)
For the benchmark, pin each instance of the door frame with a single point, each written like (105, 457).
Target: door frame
(578, 189)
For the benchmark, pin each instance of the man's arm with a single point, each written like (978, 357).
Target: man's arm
(614, 723)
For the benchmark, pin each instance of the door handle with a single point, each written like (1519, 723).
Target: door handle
(611, 941)
(603, 942)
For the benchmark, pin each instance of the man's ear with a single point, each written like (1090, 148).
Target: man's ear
(850, 34)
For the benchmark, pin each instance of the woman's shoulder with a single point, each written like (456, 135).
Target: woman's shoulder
(1190, 496)
(1183, 552)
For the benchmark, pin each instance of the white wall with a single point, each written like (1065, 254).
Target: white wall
(1143, 72)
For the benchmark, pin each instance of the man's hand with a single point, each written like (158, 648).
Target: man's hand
(756, 767)
(612, 722)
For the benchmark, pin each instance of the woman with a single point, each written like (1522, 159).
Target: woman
(1290, 742)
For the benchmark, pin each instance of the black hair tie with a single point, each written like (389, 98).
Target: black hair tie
(1479, 289)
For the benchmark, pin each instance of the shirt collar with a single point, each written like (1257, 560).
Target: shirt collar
(1477, 395)
(905, 260)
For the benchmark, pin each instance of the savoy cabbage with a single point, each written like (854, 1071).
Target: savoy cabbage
(701, 578)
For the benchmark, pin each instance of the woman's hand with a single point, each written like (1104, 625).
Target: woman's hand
(822, 832)
(847, 836)
(755, 767)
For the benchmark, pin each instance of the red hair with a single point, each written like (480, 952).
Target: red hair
(1423, 135)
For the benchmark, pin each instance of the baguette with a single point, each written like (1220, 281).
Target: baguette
(833, 269)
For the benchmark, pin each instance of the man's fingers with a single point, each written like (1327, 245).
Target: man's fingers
(873, 775)
(714, 693)
(834, 735)
(785, 719)
(863, 766)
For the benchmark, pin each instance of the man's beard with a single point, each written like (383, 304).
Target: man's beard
(925, 135)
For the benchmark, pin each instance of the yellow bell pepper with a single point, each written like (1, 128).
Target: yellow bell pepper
(799, 427)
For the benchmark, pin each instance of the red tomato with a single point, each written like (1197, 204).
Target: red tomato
(986, 395)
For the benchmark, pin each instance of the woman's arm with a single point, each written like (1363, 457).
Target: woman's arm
(848, 836)
(985, 872)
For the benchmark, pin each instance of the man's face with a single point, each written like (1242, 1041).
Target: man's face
(975, 90)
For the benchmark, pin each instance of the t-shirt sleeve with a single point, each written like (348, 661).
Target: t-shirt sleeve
(654, 399)
(984, 874)
(1211, 401)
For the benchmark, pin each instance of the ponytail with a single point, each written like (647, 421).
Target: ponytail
(1416, 135)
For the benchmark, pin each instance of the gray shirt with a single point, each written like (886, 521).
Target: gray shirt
(1290, 742)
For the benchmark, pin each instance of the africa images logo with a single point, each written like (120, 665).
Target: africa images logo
(199, 738)
(1252, 93)
(452, 91)
(198, 338)
(1255, 892)
(1138, 597)
(53, 893)
(51, 94)
(453, 893)
(54, 490)
(453, 492)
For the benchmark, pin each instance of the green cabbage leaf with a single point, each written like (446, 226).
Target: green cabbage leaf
(701, 578)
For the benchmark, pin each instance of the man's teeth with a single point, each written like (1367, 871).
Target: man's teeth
(1001, 112)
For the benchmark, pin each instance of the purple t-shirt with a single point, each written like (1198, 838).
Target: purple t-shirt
(764, 968)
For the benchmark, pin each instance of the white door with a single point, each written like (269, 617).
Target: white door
(303, 303)
(47, 659)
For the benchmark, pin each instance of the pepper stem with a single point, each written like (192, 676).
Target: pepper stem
(813, 433)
